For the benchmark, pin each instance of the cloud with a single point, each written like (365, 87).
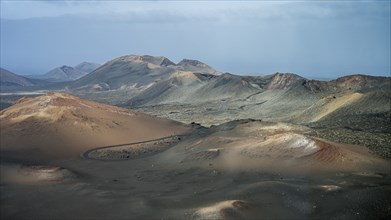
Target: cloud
(304, 37)
(175, 11)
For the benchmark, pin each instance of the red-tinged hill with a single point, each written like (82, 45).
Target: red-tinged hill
(58, 125)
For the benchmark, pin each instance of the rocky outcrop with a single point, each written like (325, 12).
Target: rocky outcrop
(283, 81)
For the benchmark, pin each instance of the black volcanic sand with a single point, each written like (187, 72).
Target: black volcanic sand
(148, 189)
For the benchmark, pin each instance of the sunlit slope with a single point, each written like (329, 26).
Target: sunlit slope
(272, 147)
(58, 125)
(350, 104)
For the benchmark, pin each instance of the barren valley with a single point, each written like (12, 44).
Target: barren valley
(142, 137)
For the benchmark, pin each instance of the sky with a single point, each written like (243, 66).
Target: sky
(315, 39)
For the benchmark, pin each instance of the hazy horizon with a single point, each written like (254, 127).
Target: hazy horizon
(312, 39)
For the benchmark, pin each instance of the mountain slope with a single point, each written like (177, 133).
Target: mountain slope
(208, 87)
(225, 86)
(67, 73)
(58, 125)
(189, 87)
(61, 74)
(125, 72)
(197, 67)
(348, 95)
(179, 87)
(8, 78)
(349, 83)
(283, 81)
(86, 67)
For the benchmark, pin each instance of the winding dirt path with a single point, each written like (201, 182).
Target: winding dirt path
(87, 156)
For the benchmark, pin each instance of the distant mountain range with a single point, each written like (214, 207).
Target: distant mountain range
(67, 73)
(59, 74)
(134, 80)
(135, 72)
